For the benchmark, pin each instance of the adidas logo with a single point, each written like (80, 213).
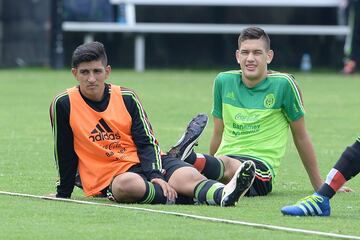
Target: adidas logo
(231, 95)
(102, 131)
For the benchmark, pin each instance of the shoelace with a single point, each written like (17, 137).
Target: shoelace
(313, 199)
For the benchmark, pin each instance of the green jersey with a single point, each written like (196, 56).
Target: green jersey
(256, 120)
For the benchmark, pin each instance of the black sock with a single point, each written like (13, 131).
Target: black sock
(326, 190)
(214, 168)
(153, 194)
(207, 165)
(209, 192)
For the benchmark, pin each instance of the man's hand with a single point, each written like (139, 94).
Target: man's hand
(345, 189)
(169, 192)
(51, 195)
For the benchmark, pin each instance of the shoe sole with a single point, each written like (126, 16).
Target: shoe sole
(188, 149)
(243, 183)
(190, 146)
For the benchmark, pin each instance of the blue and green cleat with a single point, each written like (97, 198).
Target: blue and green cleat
(313, 205)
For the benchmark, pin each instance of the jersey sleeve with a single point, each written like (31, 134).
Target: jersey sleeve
(217, 98)
(147, 145)
(292, 100)
(66, 160)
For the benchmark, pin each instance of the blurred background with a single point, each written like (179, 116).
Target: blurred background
(32, 34)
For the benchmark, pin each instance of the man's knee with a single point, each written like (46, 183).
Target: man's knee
(185, 179)
(230, 167)
(128, 187)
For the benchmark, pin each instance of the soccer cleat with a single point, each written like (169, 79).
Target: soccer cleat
(188, 140)
(313, 205)
(78, 181)
(239, 184)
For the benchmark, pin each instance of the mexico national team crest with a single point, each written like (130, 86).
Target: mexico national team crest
(269, 100)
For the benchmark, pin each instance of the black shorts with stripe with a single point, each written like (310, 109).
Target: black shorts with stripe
(263, 179)
(169, 164)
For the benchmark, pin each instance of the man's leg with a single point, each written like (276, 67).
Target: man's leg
(189, 182)
(212, 167)
(130, 187)
(219, 169)
(223, 169)
(318, 204)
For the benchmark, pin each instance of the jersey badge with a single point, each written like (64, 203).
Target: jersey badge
(269, 100)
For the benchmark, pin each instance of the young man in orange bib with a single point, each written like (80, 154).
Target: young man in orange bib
(101, 130)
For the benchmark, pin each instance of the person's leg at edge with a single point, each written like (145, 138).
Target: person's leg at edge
(318, 204)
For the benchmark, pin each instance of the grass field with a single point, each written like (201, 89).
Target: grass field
(171, 98)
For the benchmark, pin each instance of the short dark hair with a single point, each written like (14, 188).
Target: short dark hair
(254, 33)
(88, 52)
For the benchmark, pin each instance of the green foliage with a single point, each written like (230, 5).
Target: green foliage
(171, 99)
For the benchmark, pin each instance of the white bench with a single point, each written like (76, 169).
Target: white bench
(269, 3)
(140, 29)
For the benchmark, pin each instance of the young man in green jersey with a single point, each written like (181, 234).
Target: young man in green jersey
(318, 204)
(253, 110)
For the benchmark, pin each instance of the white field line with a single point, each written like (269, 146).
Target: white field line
(192, 216)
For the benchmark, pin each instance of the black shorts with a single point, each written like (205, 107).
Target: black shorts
(263, 179)
(169, 165)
